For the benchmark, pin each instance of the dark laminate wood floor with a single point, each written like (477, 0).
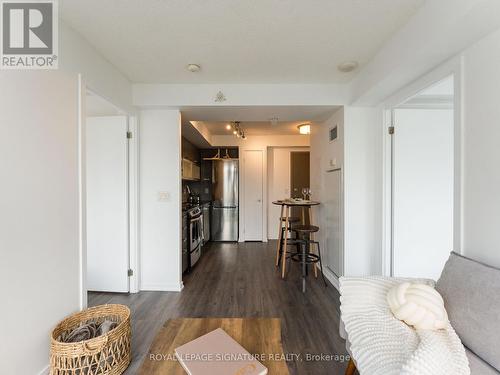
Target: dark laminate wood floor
(240, 280)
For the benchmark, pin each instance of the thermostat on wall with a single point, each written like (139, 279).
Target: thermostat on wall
(332, 134)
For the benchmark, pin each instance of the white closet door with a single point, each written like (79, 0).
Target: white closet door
(107, 204)
(423, 191)
(254, 179)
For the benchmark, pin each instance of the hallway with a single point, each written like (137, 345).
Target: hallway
(239, 280)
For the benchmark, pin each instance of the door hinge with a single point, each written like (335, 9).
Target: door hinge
(129, 135)
(130, 273)
(391, 129)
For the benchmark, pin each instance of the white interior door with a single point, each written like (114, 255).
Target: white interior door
(107, 204)
(333, 219)
(254, 180)
(422, 191)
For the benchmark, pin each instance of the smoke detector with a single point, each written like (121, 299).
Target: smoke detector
(193, 68)
(348, 66)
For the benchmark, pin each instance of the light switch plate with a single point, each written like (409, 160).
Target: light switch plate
(163, 196)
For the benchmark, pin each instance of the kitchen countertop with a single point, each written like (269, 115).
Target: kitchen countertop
(187, 206)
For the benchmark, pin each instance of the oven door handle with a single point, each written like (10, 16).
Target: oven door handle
(195, 219)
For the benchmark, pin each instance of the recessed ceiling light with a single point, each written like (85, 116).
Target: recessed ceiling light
(348, 66)
(193, 68)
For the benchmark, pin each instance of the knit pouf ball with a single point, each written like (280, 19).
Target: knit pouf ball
(418, 305)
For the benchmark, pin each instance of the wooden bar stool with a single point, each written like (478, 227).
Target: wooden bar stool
(305, 256)
(283, 235)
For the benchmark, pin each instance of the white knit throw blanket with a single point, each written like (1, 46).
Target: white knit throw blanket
(383, 345)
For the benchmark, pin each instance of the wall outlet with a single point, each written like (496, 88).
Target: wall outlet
(163, 196)
(333, 162)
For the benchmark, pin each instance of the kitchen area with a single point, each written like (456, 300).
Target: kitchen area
(210, 199)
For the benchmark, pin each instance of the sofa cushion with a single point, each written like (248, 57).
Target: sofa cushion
(478, 366)
(471, 293)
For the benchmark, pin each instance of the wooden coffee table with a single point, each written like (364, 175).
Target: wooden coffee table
(256, 335)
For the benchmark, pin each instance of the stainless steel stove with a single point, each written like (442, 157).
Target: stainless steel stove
(194, 226)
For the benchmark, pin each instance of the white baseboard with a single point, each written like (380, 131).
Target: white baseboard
(163, 287)
(331, 278)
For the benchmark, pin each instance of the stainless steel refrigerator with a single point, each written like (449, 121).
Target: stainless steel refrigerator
(224, 226)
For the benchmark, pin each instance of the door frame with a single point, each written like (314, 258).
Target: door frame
(132, 188)
(453, 67)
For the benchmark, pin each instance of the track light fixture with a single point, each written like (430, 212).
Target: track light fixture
(238, 131)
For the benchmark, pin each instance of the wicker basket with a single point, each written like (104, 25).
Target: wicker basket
(107, 354)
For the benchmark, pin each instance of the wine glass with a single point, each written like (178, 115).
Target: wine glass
(304, 193)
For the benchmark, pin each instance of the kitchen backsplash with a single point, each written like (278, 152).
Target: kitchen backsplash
(201, 188)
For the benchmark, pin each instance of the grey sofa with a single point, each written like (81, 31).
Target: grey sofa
(471, 293)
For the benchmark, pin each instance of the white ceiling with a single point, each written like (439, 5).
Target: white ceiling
(237, 41)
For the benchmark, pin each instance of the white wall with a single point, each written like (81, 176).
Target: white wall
(160, 221)
(78, 56)
(39, 213)
(39, 244)
(278, 182)
(239, 94)
(258, 143)
(363, 190)
(325, 156)
(358, 151)
(481, 151)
